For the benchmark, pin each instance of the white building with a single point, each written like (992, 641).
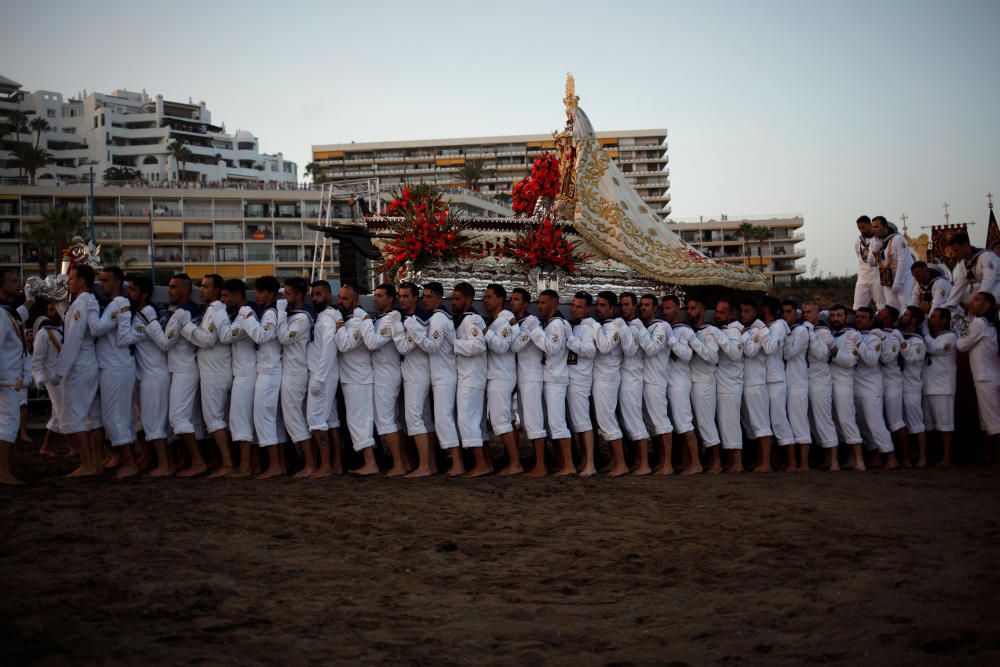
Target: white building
(133, 130)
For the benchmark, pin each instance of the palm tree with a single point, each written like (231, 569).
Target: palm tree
(39, 125)
(182, 155)
(57, 228)
(313, 170)
(761, 234)
(112, 256)
(746, 230)
(31, 159)
(471, 172)
(18, 121)
(119, 174)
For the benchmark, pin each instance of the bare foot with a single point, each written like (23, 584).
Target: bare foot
(860, 467)
(112, 461)
(304, 473)
(664, 470)
(736, 469)
(804, 467)
(419, 472)
(45, 451)
(366, 470)
(238, 473)
(126, 471)
(511, 470)
(763, 468)
(84, 472)
(24, 437)
(922, 463)
(10, 480)
(161, 472)
(618, 471)
(270, 474)
(693, 469)
(221, 471)
(455, 471)
(537, 471)
(194, 470)
(834, 467)
(642, 470)
(478, 471)
(564, 472)
(791, 469)
(891, 464)
(396, 471)
(943, 464)
(714, 469)
(589, 471)
(321, 473)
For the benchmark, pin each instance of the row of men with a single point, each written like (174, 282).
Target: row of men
(889, 276)
(264, 371)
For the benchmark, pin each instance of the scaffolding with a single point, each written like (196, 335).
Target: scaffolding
(341, 192)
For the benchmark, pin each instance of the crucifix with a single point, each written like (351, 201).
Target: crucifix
(946, 216)
(904, 218)
(989, 198)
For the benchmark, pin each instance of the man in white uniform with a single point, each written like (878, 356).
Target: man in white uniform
(77, 369)
(244, 358)
(501, 373)
(795, 351)
(866, 247)
(470, 368)
(387, 376)
(530, 379)
(777, 390)
(869, 391)
(844, 356)
(551, 337)
(322, 415)
(821, 383)
(580, 362)
(438, 341)
(611, 337)
(729, 383)
(756, 414)
(630, 391)
(892, 379)
(12, 351)
(295, 325)
(183, 366)
(215, 367)
(931, 287)
(654, 339)
(980, 342)
(894, 262)
(354, 342)
(978, 270)
(46, 344)
(705, 345)
(913, 351)
(940, 379)
(416, 372)
(151, 363)
(679, 385)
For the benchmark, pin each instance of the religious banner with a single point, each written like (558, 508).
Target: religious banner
(993, 233)
(940, 237)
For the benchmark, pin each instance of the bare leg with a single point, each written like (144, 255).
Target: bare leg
(890, 461)
(46, 449)
(309, 453)
(396, 448)
(539, 470)
(587, 438)
(859, 459)
(244, 469)
(803, 458)
(321, 441)
(735, 460)
(425, 456)
(666, 455)
(618, 465)
(922, 450)
(274, 467)
(88, 465)
(642, 458)
(946, 438)
(369, 467)
(831, 459)
(790, 463)
(457, 464)
(164, 461)
(765, 454)
(690, 454)
(221, 438)
(336, 453)
(6, 476)
(197, 466)
(482, 467)
(904, 448)
(24, 436)
(513, 466)
(715, 466)
(565, 446)
(129, 467)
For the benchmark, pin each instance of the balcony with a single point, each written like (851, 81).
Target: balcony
(105, 232)
(168, 254)
(260, 253)
(198, 232)
(198, 255)
(258, 232)
(286, 232)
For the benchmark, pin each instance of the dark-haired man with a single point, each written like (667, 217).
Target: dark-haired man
(912, 352)
(354, 342)
(931, 287)
(978, 271)
(438, 341)
(894, 262)
(821, 383)
(729, 383)
(892, 379)
(777, 389)
(797, 379)
(703, 388)
(869, 391)
(843, 366)
(655, 342)
(756, 413)
(322, 415)
(244, 357)
(470, 368)
(868, 288)
(12, 362)
(580, 361)
(551, 338)
(630, 391)
(416, 371)
(980, 342)
(530, 379)
(940, 379)
(45, 347)
(295, 328)
(679, 386)
(387, 376)
(612, 336)
(501, 373)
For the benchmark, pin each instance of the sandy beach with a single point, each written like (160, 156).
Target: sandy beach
(875, 568)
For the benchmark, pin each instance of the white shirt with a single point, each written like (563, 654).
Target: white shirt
(895, 255)
(654, 339)
(980, 341)
(706, 354)
(78, 353)
(44, 353)
(552, 342)
(150, 359)
(241, 347)
(529, 357)
(844, 355)
(582, 350)
(867, 251)
(632, 359)
(795, 350)
(867, 374)
(264, 333)
(501, 362)
(470, 351)
(386, 367)
(755, 337)
(729, 372)
(354, 341)
(892, 342)
(985, 269)
(111, 355)
(181, 354)
(774, 350)
(322, 349)
(680, 355)
(611, 336)
(913, 352)
(416, 366)
(932, 295)
(214, 358)
(293, 334)
(818, 355)
(941, 371)
(439, 343)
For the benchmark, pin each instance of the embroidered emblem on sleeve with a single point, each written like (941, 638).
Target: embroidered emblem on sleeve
(267, 327)
(114, 315)
(384, 331)
(474, 332)
(555, 338)
(659, 337)
(76, 315)
(236, 331)
(211, 328)
(878, 347)
(524, 339)
(505, 333)
(856, 353)
(170, 334)
(140, 330)
(357, 335)
(409, 339)
(616, 337)
(292, 334)
(893, 348)
(947, 346)
(436, 334)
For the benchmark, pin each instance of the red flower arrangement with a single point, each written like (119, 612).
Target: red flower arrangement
(426, 232)
(543, 182)
(543, 246)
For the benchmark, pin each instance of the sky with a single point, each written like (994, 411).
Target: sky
(824, 109)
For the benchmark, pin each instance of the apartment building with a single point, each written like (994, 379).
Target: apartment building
(641, 154)
(775, 253)
(235, 233)
(132, 130)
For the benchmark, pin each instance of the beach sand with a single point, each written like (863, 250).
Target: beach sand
(846, 567)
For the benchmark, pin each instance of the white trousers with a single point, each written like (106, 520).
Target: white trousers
(183, 399)
(318, 406)
(939, 412)
(727, 414)
(656, 409)
(866, 291)
(893, 299)
(845, 412)
(294, 387)
(266, 392)
(679, 394)
(913, 411)
(630, 405)
(988, 394)
(703, 400)
(79, 396)
(469, 405)
(872, 420)
(821, 413)
(241, 408)
(215, 401)
(10, 415)
(359, 401)
(154, 399)
(415, 400)
(555, 410)
(578, 398)
(55, 423)
(386, 397)
(499, 405)
(444, 415)
(892, 404)
(777, 394)
(797, 402)
(756, 415)
(605, 403)
(531, 403)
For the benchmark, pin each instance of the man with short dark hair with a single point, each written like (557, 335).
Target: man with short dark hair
(931, 288)
(322, 414)
(679, 386)
(416, 372)
(244, 357)
(868, 288)
(795, 349)
(437, 339)
(387, 376)
(551, 338)
(630, 391)
(470, 368)
(777, 389)
(821, 383)
(940, 379)
(45, 347)
(612, 336)
(12, 350)
(844, 357)
(729, 383)
(912, 352)
(530, 379)
(501, 373)
(354, 342)
(892, 379)
(654, 339)
(978, 270)
(894, 262)
(869, 391)
(580, 362)
(756, 402)
(980, 342)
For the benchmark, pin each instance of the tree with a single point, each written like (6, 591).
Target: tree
(119, 174)
(57, 228)
(746, 230)
(471, 172)
(112, 256)
(313, 170)
(39, 125)
(31, 159)
(182, 155)
(762, 234)
(18, 121)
